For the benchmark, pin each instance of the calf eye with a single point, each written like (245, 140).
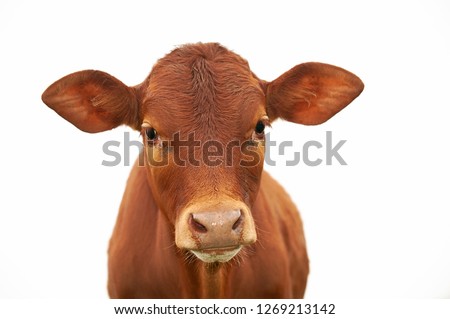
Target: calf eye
(260, 126)
(151, 133)
(259, 134)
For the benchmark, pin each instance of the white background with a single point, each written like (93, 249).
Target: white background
(378, 227)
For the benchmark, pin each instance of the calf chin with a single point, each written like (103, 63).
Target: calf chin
(221, 255)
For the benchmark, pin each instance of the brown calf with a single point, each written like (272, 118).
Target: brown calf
(204, 221)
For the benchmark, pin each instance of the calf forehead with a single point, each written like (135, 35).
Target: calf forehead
(203, 88)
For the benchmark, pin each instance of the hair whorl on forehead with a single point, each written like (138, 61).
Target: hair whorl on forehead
(204, 81)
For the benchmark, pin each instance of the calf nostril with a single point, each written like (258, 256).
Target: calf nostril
(237, 223)
(196, 225)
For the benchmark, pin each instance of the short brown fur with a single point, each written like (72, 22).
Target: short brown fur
(161, 246)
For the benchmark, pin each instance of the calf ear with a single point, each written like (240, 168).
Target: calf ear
(93, 101)
(311, 93)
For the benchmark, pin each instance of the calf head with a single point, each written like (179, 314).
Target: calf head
(202, 114)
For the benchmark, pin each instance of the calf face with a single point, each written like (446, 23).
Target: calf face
(202, 114)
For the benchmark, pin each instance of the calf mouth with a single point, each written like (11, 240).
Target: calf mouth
(220, 254)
